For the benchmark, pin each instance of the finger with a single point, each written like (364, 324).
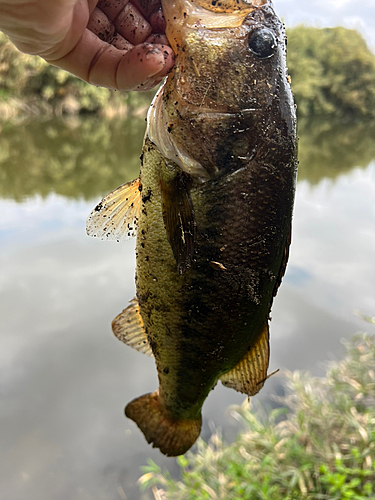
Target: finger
(151, 83)
(153, 12)
(120, 43)
(112, 7)
(129, 20)
(132, 25)
(158, 39)
(101, 26)
(157, 21)
(147, 7)
(99, 63)
(127, 70)
(144, 60)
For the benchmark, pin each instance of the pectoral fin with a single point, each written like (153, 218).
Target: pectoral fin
(116, 216)
(178, 215)
(250, 374)
(128, 327)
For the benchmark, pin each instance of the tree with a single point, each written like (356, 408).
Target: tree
(332, 71)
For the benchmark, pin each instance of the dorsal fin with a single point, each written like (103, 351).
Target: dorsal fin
(116, 216)
(250, 374)
(128, 327)
(178, 215)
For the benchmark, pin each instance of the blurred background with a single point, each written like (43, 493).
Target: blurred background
(64, 378)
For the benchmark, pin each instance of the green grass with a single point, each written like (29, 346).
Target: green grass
(320, 443)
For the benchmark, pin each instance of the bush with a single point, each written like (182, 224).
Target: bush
(332, 71)
(320, 444)
(35, 87)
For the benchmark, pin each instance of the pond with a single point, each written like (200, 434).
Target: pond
(65, 378)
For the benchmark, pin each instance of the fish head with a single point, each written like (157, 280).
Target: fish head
(226, 59)
(229, 85)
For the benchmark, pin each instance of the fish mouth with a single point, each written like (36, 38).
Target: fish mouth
(184, 19)
(188, 22)
(209, 14)
(228, 6)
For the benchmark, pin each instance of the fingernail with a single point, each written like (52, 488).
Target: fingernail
(159, 60)
(152, 52)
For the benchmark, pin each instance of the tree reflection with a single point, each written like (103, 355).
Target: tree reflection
(88, 157)
(328, 149)
(78, 157)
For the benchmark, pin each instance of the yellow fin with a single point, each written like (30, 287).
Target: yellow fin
(116, 216)
(250, 374)
(172, 436)
(178, 215)
(128, 327)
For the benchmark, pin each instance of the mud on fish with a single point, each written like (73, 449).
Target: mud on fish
(211, 210)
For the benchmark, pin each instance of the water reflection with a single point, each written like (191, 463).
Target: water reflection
(89, 157)
(64, 377)
(75, 158)
(328, 149)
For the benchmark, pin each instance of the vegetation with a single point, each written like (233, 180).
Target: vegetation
(328, 148)
(88, 156)
(76, 158)
(333, 76)
(319, 444)
(332, 70)
(29, 86)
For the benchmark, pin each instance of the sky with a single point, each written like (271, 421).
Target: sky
(358, 15)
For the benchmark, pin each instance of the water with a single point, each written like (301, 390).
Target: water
(64, 377)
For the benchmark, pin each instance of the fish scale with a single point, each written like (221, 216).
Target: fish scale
(213, 208)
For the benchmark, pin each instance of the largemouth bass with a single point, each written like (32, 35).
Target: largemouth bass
(212, 209)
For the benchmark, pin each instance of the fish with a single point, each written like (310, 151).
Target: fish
(212, 213)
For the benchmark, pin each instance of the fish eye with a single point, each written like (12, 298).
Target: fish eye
(262, 43)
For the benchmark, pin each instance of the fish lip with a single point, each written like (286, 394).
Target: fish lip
(188, 14)
(214, 7)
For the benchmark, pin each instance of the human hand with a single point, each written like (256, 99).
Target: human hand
(119, 44)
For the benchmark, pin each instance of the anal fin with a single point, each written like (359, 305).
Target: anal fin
(178, 215)
(250, 374)
(128, 327)
(116, 216)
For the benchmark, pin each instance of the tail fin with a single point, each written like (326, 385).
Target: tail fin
(173, 437)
